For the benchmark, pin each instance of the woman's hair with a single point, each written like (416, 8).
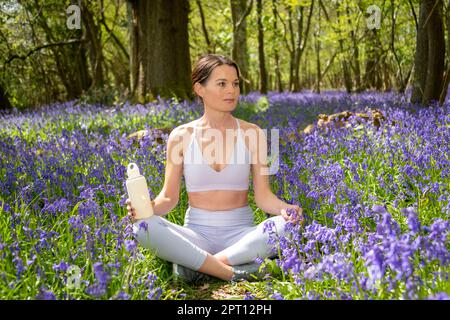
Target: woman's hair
(206, 64)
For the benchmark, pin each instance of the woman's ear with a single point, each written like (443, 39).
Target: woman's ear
(198, 88)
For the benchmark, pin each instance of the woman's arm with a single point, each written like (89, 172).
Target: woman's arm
(168, 197)
(264, 197)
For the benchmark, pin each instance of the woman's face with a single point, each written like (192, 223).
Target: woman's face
(221, 90)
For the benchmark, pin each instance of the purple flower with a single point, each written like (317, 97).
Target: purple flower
(122, 296)
(312, 295)
(277, 296)
(378, 209)
(102, 277)
(249, 296)
(329, 169)
(45, 295)
(258, 260)
(439, 296)
(143, 225)
(32, 260)
(413, 221)
(61, 267)
(130, 245)
(268, 226)
(154, 294)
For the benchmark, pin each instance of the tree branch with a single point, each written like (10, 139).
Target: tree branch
(205, 31)
(247, 12)
(111, 33)
(414, 14)
(44, 46)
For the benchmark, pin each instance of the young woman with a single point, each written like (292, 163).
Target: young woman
(218, 237)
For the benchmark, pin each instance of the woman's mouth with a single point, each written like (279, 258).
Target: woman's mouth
(229, 100)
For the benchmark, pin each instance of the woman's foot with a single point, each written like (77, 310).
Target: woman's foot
(190, 276)
(247, 272)
(244, 272)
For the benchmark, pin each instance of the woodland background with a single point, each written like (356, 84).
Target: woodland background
(139, 50)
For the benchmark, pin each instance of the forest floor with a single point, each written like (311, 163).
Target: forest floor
(217, 290)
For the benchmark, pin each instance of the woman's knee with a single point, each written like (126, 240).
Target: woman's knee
(146, 230)
(279, 224)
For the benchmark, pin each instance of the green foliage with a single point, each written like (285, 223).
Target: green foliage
(43, 76)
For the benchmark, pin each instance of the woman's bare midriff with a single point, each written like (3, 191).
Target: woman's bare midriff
(217, 200)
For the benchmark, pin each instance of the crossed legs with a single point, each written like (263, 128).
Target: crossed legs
(192, 249)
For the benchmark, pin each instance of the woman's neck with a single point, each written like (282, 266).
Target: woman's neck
(216, 119)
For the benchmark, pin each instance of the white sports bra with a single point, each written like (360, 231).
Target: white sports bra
(199, 176)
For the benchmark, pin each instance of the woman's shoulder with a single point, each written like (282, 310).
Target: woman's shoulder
(251, 133)
(248, 126)
(183, 129)
(181, 134)
(186, 129)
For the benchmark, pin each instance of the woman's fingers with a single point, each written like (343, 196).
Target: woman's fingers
(132, 215)
(294, 218)
(130, 209)
(284, 214)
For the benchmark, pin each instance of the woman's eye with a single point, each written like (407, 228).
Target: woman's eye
(222, 84)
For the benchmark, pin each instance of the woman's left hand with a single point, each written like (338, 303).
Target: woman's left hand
(296, 218)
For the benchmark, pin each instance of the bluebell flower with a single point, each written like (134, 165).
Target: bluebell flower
(249, 296)
(269, 226)
(413, 220)
(130, 245)
(277, 296)
(45, 295)
(143, 225)
(439, 296)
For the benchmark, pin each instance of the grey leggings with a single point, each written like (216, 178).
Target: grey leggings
(231, 233)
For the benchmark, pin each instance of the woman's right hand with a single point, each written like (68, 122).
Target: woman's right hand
(131, 211)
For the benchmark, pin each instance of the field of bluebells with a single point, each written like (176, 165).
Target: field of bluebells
(376, 200)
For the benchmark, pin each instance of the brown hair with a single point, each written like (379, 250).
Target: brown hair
(206, 64)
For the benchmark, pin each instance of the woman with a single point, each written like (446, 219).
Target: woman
(218, 237)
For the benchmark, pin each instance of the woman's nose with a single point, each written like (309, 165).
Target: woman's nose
(231, 88)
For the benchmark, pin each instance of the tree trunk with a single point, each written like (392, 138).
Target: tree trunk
(430, 52)
(373, 77)
(262, 63)
(297, 48)
(204, 29)
(132, 10)
(447, 72)
(92, 32)
(371, 62)
(421, 58)
(70, 61)
(301, 45)
(346, 71)
(160, 61)
(436, 52)
(292, 52)
(4, 101)
(278, 84)
(387, 83)
(355, 59)
(317, 47)
(239, 12)
(401, 82)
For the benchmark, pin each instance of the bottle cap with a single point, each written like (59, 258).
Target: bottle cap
(133, 170)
